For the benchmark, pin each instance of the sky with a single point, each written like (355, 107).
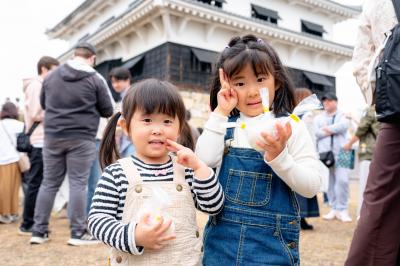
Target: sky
(23, 24)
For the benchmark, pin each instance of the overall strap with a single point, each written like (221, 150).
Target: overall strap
(130, 171)
(396, 5)
(179, 171)
(230, 130)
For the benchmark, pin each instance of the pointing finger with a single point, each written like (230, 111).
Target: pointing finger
(174, 145)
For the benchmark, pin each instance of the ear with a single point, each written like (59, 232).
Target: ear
(123, 125)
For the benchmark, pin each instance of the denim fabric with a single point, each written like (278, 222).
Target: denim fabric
(95, 173)
(259, 224)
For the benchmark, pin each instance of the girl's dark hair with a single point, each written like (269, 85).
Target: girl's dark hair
(264, 60)
(9, 110)
(149, 96)
(120, 73)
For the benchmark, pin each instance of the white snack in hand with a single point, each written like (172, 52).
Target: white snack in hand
(265, 124)
(156, 207)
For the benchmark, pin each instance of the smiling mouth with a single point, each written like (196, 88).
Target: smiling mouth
(159, 142)
(255, 103)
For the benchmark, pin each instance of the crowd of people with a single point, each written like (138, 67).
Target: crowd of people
(138, 170)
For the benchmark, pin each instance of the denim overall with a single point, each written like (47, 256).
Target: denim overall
(259, 224)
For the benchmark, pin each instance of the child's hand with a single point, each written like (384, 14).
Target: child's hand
(152, 236)
(187, 158)
(227, 97)
(273, 146)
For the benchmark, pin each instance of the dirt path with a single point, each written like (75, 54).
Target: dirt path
(326, 245)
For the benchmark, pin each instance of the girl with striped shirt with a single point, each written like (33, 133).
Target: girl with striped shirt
(153, 116)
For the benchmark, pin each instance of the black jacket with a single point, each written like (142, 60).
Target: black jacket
(74, 97)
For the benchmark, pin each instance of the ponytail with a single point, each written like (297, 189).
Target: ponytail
(108, 148)
(186, 137)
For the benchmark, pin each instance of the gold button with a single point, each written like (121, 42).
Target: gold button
(293, 222)
(119, 259)
(138, 189)
(292, 245)
(179, 187)
(197, 234)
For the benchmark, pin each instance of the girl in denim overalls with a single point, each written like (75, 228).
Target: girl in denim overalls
(153, 116)
(259, 224)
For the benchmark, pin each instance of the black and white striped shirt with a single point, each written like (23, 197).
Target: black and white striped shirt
(109, 200)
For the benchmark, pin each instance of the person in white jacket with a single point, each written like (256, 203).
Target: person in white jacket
(376, 240)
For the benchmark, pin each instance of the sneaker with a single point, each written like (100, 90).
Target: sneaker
(14, 218)
(343, 216)
(83, 239)
(39, 238)
(22, 231)
(5, 219)
(330, 216)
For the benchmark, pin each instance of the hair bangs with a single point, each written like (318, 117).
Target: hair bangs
(259, 61)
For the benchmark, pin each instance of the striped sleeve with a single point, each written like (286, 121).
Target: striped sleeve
(105, 215)
(207, 193)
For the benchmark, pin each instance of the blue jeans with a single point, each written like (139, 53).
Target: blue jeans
(259, 224)
(62, 155)
(127, 151)
(95, 173)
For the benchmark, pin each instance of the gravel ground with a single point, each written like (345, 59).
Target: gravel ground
(327, 244)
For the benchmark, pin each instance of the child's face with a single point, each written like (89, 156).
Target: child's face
(248, 85)
(149, 134)
(120, 85)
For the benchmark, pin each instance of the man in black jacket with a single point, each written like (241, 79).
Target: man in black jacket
(74, 97)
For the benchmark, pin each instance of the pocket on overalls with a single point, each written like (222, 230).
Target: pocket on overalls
(248, 188)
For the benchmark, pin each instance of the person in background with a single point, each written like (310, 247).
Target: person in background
(10, 175)
(330, 130)
(74, 97)
(366, 133)
(33, 112)
(376, 239)
(121, 81)
(308, 206)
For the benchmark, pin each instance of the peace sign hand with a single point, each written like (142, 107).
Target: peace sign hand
(227, 97)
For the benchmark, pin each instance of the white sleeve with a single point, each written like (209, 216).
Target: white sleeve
(210, 144)
(298, 165)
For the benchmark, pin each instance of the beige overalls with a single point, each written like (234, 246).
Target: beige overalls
(186, 249)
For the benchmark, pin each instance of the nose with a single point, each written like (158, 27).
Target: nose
(254, 91)
(156, 130)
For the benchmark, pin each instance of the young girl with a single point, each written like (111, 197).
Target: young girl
(153, 115)
(259, 224)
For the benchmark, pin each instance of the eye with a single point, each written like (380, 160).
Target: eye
(146, 120)
(168, 121)
(261, 79)
(238, 84)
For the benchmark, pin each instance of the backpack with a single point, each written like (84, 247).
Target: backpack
(387, 91)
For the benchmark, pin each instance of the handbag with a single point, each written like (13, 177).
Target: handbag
(346, 159)
(24, 163)
(23, 139)
(328, 158)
